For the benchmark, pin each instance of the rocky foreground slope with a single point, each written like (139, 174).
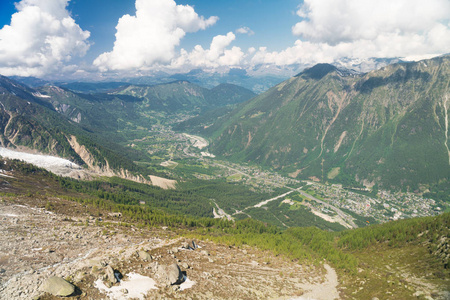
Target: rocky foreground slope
(38, 244)
(56, 240)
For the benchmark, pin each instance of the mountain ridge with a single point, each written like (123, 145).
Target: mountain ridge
(369, 128)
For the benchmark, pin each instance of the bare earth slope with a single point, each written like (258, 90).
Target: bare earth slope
(37, 243)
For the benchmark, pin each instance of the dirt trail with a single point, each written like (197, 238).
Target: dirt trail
(324, 291)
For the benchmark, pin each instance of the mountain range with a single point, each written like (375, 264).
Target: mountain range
(90, 129)
(386, 128)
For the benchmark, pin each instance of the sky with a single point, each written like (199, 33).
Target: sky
(97, 39)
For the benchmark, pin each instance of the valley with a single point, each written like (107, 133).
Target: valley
(323, 199)
(290, 204)
(224, 150)
(182, 156)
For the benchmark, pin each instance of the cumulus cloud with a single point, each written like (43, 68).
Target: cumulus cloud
(218, 55)
(361, 29)
(151, 36)
(348, 20)
(245, 30)
(41, 38)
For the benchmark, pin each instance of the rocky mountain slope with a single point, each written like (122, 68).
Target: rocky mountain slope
(31, 121)
(386, 128)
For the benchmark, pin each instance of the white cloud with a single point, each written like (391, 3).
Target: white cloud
(216, 56)
(41, 38)
(348, 20)
(378, 28)
(332, 30)
(245, 30)
(150, 37)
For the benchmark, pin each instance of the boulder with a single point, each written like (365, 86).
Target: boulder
(110, 275)
(174, 274)
(169, 275)
(57, 286)
(144, 255)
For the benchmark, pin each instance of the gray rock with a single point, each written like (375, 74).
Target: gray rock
(57, 286)
(169, 275)
(110, 275)
(144, 255)
(174, 274)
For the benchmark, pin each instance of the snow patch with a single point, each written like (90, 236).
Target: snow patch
(187, 284)
(37, 94)
(137, 286)
(57, 165)
(4, 175)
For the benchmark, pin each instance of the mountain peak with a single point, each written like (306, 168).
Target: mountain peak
(318, 71)
(321, 70)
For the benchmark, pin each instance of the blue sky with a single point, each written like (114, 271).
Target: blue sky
(78, 38)
(232, 14)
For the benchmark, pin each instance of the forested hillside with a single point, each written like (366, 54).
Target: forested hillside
(387, 128)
